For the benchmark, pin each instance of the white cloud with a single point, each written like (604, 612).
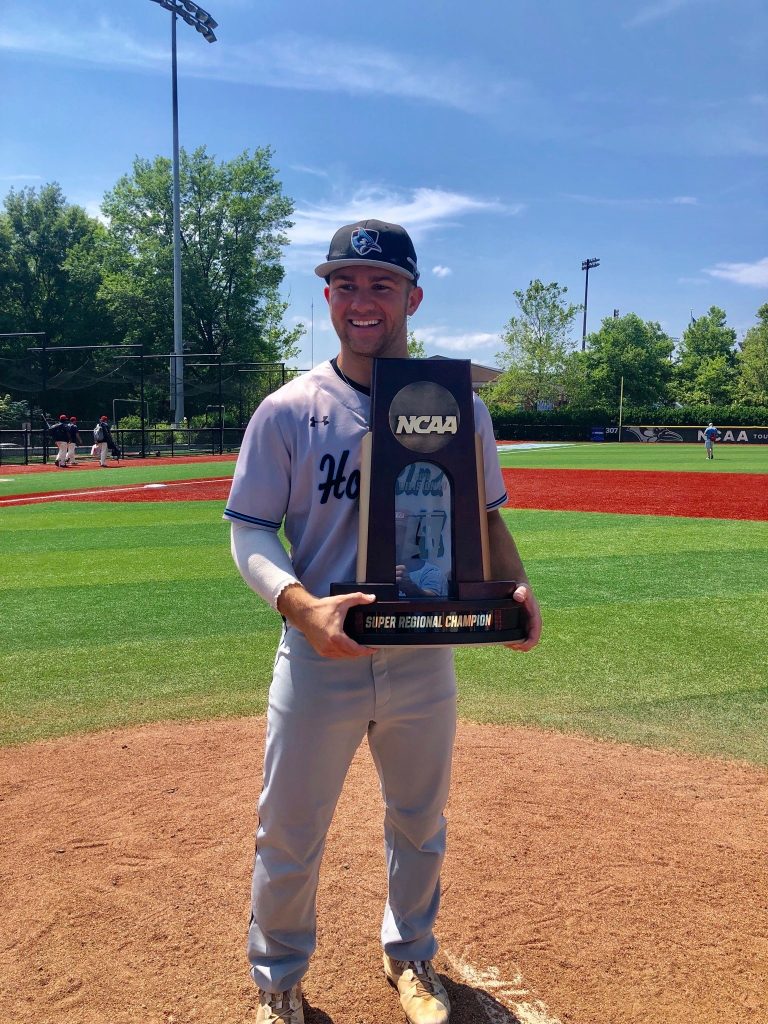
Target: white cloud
(438, 341)
(282, 62)
(314, 171)
(630, 201)
(93, 208)
(755, 274)
(421, 211)
(334, 67)
(100, 44)
(439, 271)
(21, 177)
(657, 11)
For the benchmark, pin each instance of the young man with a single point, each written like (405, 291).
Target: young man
(711, 434)
(74, 441)
(300, 466)
(102, 437)
(60, 434)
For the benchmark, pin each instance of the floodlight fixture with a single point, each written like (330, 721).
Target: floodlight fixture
(203, 23)
(586, 265)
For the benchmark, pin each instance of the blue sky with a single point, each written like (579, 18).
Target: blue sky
(512, 138)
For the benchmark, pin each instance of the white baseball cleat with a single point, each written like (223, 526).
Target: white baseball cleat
(280, 1007)
(422, 994)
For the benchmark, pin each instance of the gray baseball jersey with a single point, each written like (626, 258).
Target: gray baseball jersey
(300, 462)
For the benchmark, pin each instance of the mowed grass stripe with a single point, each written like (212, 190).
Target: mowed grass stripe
(127, 474)
(659, 457)
(654, 628)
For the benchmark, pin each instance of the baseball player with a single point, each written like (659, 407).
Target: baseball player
(102, 437)
(74, 441)
(299, 467)
(711, 434)
(60, 434)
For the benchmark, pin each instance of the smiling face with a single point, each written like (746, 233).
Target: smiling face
(369, 309)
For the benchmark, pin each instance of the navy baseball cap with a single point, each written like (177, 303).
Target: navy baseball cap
(371, 243)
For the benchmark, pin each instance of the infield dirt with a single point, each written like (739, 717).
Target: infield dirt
(585, 882)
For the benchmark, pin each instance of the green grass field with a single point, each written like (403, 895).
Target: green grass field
(116, 614)
(126, 473)
(667, 458)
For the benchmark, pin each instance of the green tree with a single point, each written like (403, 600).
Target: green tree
(12, 414)
(752, 362)
(233, 218)
(536, 347)
(49, 282)
(627, 347)
(705, 368)
(43, 241)
(416, 348)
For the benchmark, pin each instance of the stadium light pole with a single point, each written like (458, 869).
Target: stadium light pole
(586, 265)
(203, 22)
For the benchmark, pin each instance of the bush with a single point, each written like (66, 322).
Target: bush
(12, 414)
(506, 418)
(695, 415)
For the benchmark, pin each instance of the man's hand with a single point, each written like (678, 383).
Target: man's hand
(321, 620)
(524, 595)
(506, 564)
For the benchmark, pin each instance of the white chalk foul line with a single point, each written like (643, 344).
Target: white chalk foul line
(516, 1007)
(95, 493)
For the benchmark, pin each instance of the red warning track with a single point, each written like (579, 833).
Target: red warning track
(703, 495)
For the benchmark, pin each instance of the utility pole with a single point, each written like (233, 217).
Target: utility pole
(586, 265)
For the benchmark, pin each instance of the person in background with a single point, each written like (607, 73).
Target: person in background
(73, 442)
(711, 434)
(102, 435)
(60, 434)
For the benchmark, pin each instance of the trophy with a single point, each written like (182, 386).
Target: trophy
(423, 541)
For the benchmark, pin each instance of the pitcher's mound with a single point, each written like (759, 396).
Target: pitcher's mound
(585, 882)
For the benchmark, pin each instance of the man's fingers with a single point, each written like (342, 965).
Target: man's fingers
(347, 601)
(524, 595)
(343, 646)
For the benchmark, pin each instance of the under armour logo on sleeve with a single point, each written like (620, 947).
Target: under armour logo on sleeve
(314, 422)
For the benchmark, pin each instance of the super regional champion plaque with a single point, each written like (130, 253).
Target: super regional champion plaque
(423, 542)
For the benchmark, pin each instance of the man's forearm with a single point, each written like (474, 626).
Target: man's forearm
(506, 563)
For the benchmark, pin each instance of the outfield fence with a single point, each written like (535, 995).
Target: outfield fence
(30, 447)
(506, 431)
(664, 434)
(642, 433)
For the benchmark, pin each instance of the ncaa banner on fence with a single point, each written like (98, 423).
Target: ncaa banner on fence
(660, 434)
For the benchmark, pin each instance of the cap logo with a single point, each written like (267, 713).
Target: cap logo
(365, 241)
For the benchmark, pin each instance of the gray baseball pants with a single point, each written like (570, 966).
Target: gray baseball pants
(404, 700)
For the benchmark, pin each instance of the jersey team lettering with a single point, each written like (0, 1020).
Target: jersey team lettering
(336, 482)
